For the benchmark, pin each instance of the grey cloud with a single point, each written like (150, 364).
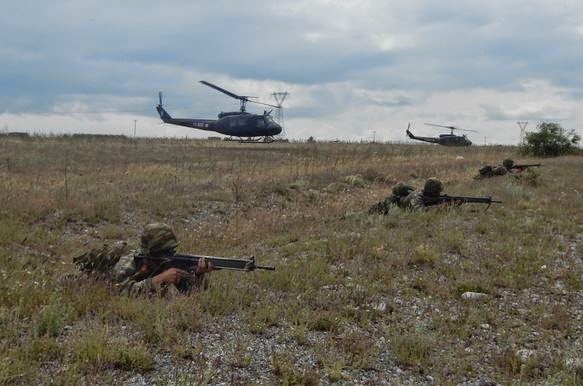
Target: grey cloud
(115, 56)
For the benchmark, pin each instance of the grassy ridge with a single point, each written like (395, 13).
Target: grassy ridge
(359, 295)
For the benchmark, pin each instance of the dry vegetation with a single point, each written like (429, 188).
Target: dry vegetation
(355, 298)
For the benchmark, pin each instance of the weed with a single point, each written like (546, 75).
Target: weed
(412, 348)
(97, 351)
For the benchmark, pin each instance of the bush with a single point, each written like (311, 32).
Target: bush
(550, 139)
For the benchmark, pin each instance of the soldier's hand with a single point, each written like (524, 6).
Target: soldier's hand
(203, 266)
(170, 276)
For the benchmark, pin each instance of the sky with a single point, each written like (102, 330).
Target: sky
(354, 69)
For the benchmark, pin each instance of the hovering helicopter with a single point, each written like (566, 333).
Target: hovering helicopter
(247, 127)
(444, 139)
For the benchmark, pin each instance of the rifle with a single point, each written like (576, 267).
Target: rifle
(525, 166)
(444, 198)
(189, 262)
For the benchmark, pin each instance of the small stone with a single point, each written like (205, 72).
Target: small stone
(430, 379)
(485, 326)
(574, 364)
(525, 354)
(380, 307)
(474, 296)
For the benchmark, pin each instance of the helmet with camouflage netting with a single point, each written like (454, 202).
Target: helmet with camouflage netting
(433, 187)
(402, 190)
(508, 163)
(158, 238)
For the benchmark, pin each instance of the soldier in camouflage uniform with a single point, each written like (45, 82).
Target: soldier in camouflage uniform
(491, 171)
(406, 197)
(116, 264)
(157, 239)
(399, 192)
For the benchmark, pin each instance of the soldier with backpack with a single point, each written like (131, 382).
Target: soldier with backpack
(117, 264)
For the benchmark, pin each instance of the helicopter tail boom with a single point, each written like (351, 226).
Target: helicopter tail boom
(424, 139)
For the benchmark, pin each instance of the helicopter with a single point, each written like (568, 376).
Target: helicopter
(249, 128)
(444, 139)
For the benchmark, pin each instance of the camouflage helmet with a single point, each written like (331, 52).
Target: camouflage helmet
(157, 238)
(508, 163)
(433, 187)
(500, 171)
(402, 190)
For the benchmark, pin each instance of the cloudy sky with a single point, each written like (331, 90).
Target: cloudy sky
(352, 67)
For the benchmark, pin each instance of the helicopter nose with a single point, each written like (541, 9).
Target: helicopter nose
(275, 127)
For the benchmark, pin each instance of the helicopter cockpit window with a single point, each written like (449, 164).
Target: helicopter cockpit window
(268, 118)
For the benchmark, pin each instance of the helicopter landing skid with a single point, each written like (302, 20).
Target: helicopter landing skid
(267, 139)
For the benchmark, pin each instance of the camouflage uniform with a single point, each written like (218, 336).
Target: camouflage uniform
(156, 239)
(406, 197)
(127, 279)
(399, 192)
(414, 200)
(117, 265)
(491, 171)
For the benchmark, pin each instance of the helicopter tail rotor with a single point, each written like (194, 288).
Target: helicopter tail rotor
(160, 97)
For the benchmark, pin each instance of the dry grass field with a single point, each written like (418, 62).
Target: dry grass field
(356, 298)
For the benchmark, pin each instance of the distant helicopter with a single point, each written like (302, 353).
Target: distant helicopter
(247, 127)
(444, 139)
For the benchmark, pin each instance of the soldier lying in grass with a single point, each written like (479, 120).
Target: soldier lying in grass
(508, 166)
(118, 265)
(407, 197)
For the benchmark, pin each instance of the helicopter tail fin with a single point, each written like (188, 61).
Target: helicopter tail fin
(408, 131)
(163, 114)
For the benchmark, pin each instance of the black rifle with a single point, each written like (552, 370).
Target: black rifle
(445, 199)
(525, 166)
(189, 262)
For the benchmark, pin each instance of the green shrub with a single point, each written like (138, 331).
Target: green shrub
(550, 139)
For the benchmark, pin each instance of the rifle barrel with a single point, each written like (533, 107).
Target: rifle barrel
(462, 199)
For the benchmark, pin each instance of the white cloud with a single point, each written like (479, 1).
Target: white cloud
(351, 67)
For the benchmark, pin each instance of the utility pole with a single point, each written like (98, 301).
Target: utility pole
(279, 98)
(522, 125)
(135, 123)
(374, 133)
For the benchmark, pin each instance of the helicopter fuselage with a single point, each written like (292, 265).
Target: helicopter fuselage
(236, 123)
(443, 139)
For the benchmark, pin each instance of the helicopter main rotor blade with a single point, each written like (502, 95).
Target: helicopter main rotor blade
(265, 104)
(450, 127)
(447, 127)
(232, 95)
(473, 131)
